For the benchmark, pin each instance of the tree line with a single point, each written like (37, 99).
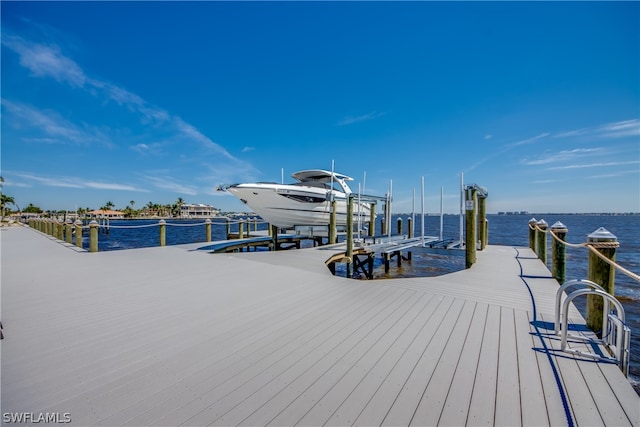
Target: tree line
(150, 209)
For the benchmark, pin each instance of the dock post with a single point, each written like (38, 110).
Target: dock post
(399, 226)
(207, 229)
(541, 240)
(228, 228)
(68, 231)
(60, 229)
(602, 273)
(410, 234)
(559, 252)
(470, 218)
(78, 225)
(372, 219)
(532, 233)
(332, 224)
(274, 237)
(482, 222)
(163, 232)
(350, 236)
(383, 226)
(241, 229)
(93, 236)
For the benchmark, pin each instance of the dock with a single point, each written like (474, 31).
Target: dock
(179, 336)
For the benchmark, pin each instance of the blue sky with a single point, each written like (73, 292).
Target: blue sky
(152, 101)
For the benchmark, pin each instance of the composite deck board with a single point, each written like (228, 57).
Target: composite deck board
(359, 397)
(259, 372)
(456, 406)
(387, 394)
(534, 411)
(483, 398)
(508, 382)
(436, 390)
(174, 335)
(413, 388)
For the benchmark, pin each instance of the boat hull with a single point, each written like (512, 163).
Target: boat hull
(287, 206)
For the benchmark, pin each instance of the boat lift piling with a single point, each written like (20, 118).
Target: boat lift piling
(361, 259)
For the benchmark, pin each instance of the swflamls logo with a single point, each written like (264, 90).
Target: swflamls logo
(34, 418)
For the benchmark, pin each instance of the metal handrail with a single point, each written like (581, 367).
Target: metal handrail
(561, 290)
(617, 342)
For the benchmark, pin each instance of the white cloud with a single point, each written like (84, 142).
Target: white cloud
(563, 156)
(167, 183)
(247, 149)
(610, 130)
(529, 140)
(365, 117)
(620, 129)
(57, 129)
(44, 60)
(595, 165)
(48, 61)
(616, 174)
(76, 182)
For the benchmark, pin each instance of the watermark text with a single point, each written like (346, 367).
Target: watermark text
(36, 417)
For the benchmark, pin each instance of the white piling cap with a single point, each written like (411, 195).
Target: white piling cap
(533, 220)
(558, 226)
(602, 235)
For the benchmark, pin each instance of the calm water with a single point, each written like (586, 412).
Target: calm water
(509, 230)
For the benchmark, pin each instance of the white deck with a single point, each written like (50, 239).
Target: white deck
(173, 336)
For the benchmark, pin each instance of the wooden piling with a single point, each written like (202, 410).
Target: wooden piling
(470, 222)
(274, 237)
(68, 231)
(482, 222)
(541, 240)
(410, 235)
(333, 233)
(228, 229)
(372, 219)
(207, 229)
(532, 233)
(163, 232)
(559, 252)
(399, 226)
(60, 230)
(78, 225)
(241, 229)
(600, 272)
(93, 236)
(350, 236)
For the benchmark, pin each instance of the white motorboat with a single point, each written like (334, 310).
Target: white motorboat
(306, 202)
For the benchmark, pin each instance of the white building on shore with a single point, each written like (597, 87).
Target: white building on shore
(198, 210)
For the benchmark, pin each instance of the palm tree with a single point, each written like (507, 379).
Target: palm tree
(177, 207)
(4, 201)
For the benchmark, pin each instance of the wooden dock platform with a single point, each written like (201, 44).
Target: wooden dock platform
(176, 336)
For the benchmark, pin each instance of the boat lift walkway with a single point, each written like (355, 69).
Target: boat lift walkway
(177, 336)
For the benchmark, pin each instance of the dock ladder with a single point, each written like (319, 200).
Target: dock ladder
(616, 335)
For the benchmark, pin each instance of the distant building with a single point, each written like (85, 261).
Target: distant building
(198, 210)
(105, 213)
